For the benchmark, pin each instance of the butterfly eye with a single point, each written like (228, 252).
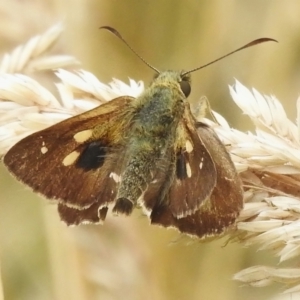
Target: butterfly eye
(185, 87)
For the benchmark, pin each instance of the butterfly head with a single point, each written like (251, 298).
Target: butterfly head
(177, 78)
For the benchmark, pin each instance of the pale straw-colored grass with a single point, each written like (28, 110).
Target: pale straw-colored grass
(29, 57)
(26, 106)
(268, 159)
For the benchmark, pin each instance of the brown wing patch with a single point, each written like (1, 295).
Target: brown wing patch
(162, 178)
(186, 194)
(73, 216)
(194, 165)
(179, 171)
(224, 204)
(84, 160)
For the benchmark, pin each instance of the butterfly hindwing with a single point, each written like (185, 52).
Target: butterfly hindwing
(186, 174)
(225, 202)
(80, 168)
(72, 216)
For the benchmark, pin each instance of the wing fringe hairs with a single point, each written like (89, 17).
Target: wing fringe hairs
(268, 160)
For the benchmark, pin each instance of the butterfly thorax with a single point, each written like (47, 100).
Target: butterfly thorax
(160, 107)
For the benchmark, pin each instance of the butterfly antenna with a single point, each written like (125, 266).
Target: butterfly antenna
(117, 34)
(253, 43)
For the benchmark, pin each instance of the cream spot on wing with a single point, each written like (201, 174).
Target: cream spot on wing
(83, 136)
(115, 177)
(188, 170)
(201, 163)
(70, 158)
(44, 150)
(188, 146)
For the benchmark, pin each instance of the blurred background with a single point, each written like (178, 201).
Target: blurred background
(126, 258)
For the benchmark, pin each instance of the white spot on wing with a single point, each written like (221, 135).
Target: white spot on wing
(201, 163)
(70, 158)
(188, 146)
(188, 170)
(115, 177)
(44, 150)
(83, 136)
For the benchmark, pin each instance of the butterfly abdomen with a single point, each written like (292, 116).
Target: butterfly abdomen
(137, 174)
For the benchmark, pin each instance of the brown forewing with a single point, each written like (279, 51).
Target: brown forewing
(225, 202)
(176, 179)
(186, 195)
(74, 185)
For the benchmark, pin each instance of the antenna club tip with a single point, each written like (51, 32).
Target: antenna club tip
(266, 39)
(112, 30)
